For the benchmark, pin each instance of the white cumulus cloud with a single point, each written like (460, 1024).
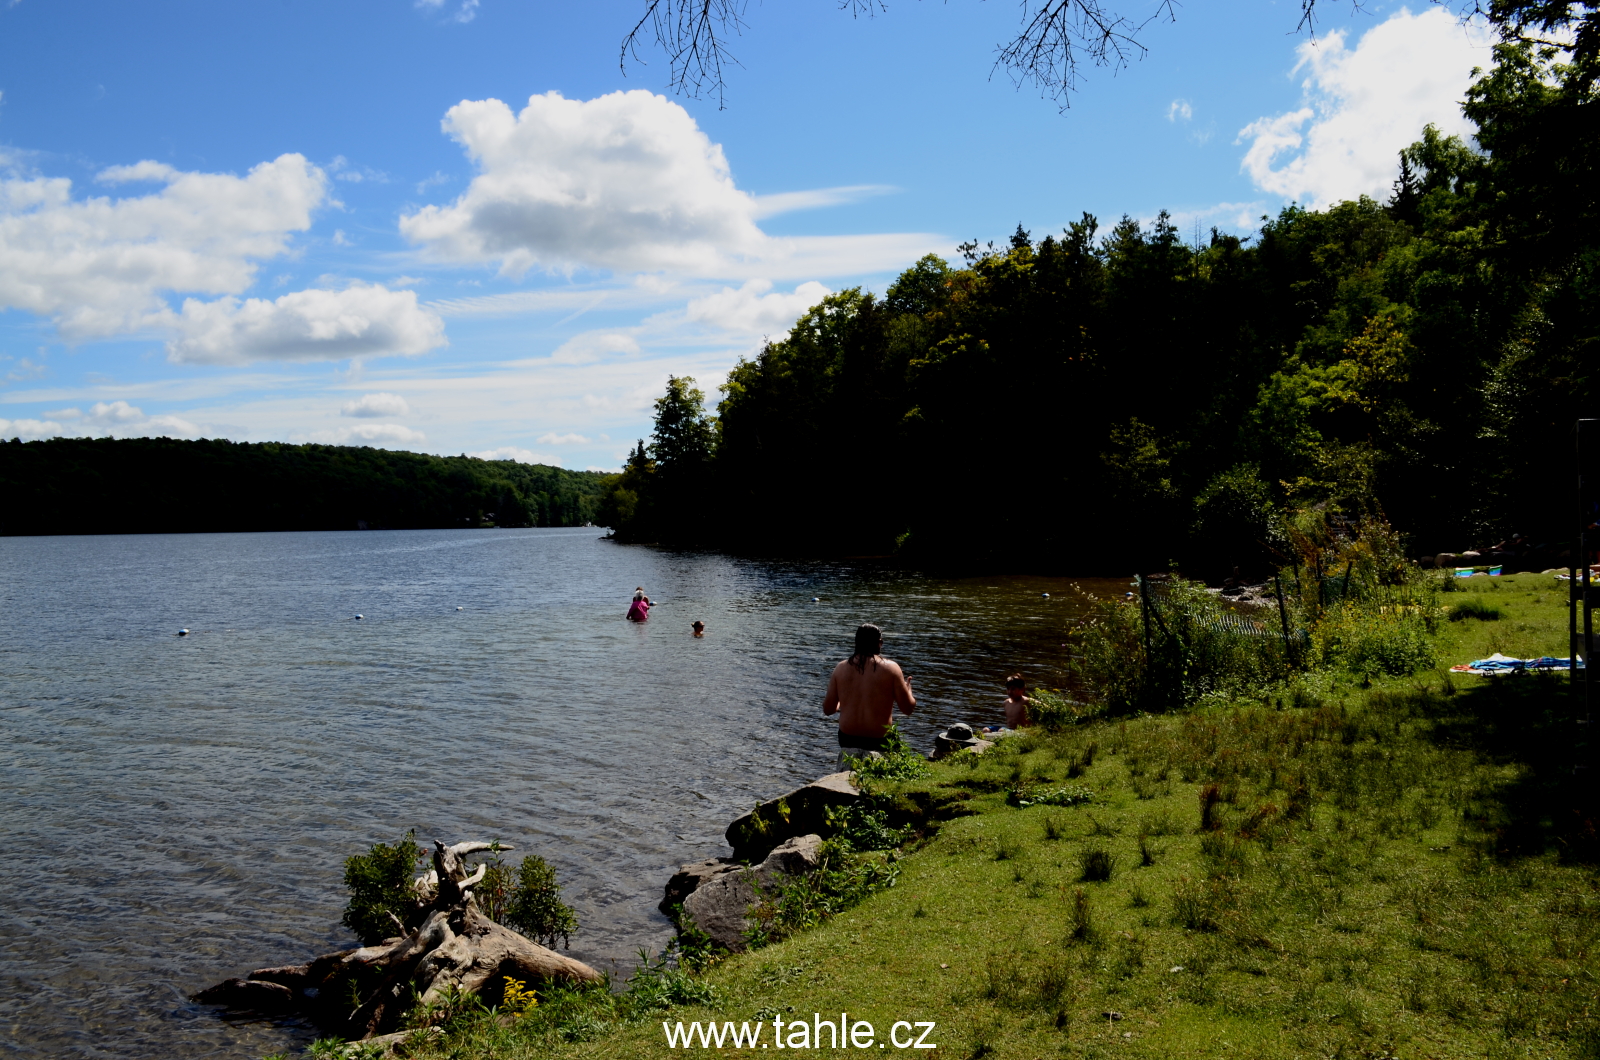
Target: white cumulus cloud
(116, 419)
(114, 413)
(1363, 104)
(521, 456)
(755, 308)
(626, 182)
(368, 406)
(31, 430)
(552, 438)
(379, 434)
(359, 321)
(1180, 110)
(101, 266)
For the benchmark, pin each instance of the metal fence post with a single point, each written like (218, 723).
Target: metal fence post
(1283, 613)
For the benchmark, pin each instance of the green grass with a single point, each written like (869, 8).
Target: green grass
(1406, 870)
(1531, 619)
(1477, 608)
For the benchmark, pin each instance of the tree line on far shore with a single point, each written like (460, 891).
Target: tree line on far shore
(1104, 399)
(164, 485)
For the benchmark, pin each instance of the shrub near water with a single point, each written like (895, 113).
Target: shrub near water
(897, 761)
(1052, 711)
(1351, 600)
(1368, 642)
(536, 908)
(382, 892)
(380, 885)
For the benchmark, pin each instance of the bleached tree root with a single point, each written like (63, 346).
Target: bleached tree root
(367, 992)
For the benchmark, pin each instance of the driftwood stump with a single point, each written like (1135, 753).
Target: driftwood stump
(453, 945)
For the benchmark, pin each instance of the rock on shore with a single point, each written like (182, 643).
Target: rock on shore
(723, 891)
(803, 811)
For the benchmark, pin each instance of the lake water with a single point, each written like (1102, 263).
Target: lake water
(176, 810)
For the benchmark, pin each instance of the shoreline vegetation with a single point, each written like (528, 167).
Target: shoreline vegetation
(166, 485)
(1220, 840)
(1136, 397)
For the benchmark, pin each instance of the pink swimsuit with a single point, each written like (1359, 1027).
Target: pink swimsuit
(639, 611)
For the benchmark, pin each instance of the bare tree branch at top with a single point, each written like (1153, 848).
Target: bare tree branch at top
(1308, 13)
(1059, 35)
(694, 35)
(1058, 38)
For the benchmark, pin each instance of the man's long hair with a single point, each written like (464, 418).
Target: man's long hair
(869, 641)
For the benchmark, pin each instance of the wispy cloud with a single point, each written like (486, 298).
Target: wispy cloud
(788, 201)
(341, 169)
(466, 11)
(433, 182)
(25, 369)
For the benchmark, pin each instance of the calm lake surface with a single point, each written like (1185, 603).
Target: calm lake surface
(176, 810)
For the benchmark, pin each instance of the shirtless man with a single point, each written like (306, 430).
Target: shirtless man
(863, 691)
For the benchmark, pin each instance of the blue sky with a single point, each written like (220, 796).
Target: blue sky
(457, 226)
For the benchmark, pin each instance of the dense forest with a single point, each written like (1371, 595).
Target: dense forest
(161, 485)
(1110, 398)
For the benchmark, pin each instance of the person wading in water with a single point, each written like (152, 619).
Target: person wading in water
(639, 610)
(863, 691)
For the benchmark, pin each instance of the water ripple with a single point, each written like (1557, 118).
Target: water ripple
(176, 810)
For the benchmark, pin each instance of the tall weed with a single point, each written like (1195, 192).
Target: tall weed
(1192, 646)
(1368, 642)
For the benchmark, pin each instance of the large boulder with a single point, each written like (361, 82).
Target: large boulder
(720, 906)
(690, 878)
(803, 811)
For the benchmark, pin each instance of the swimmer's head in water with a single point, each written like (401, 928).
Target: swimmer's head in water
(869, 641)
(698, 626)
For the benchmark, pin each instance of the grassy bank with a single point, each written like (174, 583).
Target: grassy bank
(1405, 869)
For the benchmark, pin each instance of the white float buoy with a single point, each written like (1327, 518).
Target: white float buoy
(460, 609)
(360, 616)
(1045, 595)
(816, 599)
(183, 633)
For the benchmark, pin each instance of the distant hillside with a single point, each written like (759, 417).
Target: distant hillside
(161, 485)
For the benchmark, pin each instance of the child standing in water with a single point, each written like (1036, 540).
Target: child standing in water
(1016, 703)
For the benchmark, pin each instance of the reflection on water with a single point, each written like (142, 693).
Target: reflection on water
(176, 809)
